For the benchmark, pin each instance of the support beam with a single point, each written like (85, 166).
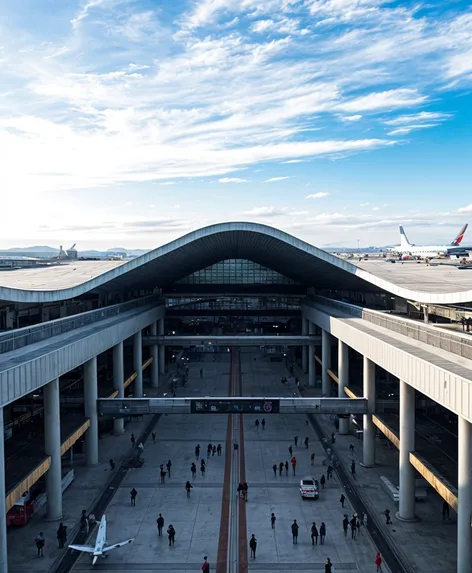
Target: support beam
(52, 447)
(464, 536)
(90, 404)
(118, 384)
(311, 357)
(406, 508)
(3, 509)
(343, 377)
(368, 450)
(138, 364)
(325, 363)
(304, 348)
(155, 359)
(162, 348)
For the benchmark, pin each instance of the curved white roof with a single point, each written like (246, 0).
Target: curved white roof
(260, 243)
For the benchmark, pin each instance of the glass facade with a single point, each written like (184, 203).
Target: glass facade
(236, 271)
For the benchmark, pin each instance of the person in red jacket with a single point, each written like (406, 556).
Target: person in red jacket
(206, 565)
(378, 562)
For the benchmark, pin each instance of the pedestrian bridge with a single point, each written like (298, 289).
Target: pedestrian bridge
(120, 407)
(242, 340)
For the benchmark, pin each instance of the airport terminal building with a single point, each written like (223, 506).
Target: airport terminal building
(80, 340)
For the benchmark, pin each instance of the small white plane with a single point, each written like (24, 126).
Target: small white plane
(101, 547)
(410, 250)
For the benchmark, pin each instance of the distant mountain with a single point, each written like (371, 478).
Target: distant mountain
(41, 249)
(128, 251)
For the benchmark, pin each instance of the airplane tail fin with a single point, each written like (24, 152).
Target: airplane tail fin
(404, 242)
(457, 241)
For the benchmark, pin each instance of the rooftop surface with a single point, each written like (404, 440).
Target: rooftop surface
(265, 245)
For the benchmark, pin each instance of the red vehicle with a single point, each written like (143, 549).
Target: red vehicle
(20, 513)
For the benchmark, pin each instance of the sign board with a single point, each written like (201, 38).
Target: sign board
(235, 406)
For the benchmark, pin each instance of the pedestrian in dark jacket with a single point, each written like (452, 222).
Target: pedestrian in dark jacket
(40, 542)
(388, 521)
(253, 545)
(322, 481)
(171, 534)
(218, 449)
(328, 566)
(197, 451)
(274, 467)
(342, 499)
(61, 535)
(133, 493)
(295, 532)
(188, 487)
(353, 524)
(272, 520)
(160, 525)
(314, 534)
(206, 565)
(193, 469)
(286, 468)
(353, 468)
(329, 472)
(202, 467)
(322, 532)
(281, 468)
(345, 525)
(168, 466)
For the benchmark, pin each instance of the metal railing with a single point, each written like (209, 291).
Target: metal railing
(18, 338)
(433, 336)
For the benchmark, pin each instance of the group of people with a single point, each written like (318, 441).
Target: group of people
(170, 530)
(356, 524)
(281, 466)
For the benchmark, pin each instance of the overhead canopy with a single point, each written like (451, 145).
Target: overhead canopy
(265, 245)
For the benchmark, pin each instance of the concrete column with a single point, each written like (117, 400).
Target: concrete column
(311, 356)
(118, 384)
(155, 359)
(406, 508)
(305, 323)
(90, 403)
(368, 449)
(162, 348)
(3, 509)
(343, 376)
(138, 364)
(464, 537)
(52, 447)
(325, 363)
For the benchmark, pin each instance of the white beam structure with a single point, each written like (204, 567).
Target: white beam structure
(368, 450)
(305, 323)
(3, 509)
(325, 363)
(406, 508)
(138, 364)
(118, 384)
(343, 378)
(464, 517)
(90, 404)
(162, 348)
(155, 359)
(311, 357)
(52, 447)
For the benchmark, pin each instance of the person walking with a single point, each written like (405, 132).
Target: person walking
(209, 449)
(322, 481)
(312, 458)
(40, 543)
(353, 524)
(133, 440)
(306, 442)
(83, 523)
(140, 447)
(193, 469)
(201, 372)
(290, 450)
(333, 438)
(345, 525)
(272, 520)
(171, 534)
(294, 464)
(274, 468)
(378, 562)
(257, 423)
(364, 520)
(253, 546)
(133, 493)
(188, 487)
(61, 535)
(168, 466)
(351, 448)
(445, 510)
(295, 529)
(218, 449)
(112, 465)
(328, 565)
(213, 451)
(197, 451)
(342, 499)
(206, 565)
(388, 521)
(263, 423)
(314, 534)
(281, 468)
(322, 533)
(160, 525)
(163, 474)
(202, 468)
(286, 468)
(353, 469)
(153, 435)
(295, 439)
(329, 472)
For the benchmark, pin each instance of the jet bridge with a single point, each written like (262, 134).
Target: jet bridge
(121, 407)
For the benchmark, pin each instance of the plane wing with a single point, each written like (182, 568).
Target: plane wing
(115, 545)
(84, 548)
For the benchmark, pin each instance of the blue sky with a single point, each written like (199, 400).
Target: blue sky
(129, 123)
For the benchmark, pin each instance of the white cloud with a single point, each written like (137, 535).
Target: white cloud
(375, 208)
(391, 99)
(408, 128)
(351, 118)
(232, 180)
(317, 195)
(272, 179)
(168, 183)
(427, 116)
(262, 25)
(467, 209)
(265, 212)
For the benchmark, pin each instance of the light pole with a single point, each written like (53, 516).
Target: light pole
(358, 245)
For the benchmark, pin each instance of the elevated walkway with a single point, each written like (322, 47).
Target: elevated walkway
(236, 340)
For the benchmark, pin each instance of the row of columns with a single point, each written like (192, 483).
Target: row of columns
(407, 472)
(52, 424)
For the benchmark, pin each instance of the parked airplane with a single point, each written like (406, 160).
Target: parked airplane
(431, 251)
(101, 547)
